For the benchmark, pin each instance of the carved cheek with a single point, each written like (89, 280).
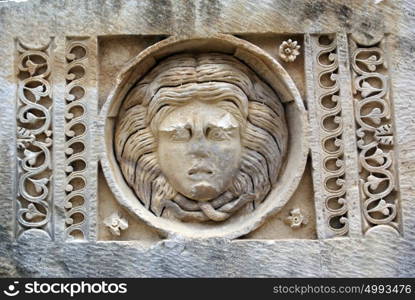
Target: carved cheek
(227, 156)
(171, 154)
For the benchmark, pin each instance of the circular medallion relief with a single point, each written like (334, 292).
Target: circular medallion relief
(204, 137)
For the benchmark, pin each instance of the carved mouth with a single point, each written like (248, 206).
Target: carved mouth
(200, 171)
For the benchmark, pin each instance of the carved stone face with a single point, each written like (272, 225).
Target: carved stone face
(200, 137)
(199, 150)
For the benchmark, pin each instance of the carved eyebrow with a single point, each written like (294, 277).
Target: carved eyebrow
(173, 128)
(224, 127)
(224, 123)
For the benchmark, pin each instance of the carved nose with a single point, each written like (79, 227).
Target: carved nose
(199, 149)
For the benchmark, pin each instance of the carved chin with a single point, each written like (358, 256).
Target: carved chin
(203, 191)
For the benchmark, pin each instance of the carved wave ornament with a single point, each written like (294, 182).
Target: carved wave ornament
(76, 139)
(331, 134)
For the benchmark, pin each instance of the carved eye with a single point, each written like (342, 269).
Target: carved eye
(181, 135)
(216, 134)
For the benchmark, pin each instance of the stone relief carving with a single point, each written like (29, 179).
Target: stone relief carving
(34, 138)
(375, 134)
(75, 135)
(116, 223)
(296, 219)
(289, 50)
(200, 138)
(331, 132)
(261, 118)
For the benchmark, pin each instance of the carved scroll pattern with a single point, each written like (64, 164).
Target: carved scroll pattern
(331, 134)
(34, 139)
(75, 135)
(375, 135)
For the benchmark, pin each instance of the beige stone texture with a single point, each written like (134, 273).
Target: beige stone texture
(338, 201)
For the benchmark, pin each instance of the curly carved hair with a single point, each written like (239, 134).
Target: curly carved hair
(226, 81)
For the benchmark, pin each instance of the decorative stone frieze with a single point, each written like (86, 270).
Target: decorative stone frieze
(34, 138)
(76, 129)
(202, 139)
(375, 134)
(207, 138)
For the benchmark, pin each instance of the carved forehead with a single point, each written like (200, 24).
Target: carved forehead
(191, 67)
(209, 92)
(182, 69)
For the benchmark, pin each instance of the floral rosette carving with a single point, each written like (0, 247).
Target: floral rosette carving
(289, 50)
(116, 223)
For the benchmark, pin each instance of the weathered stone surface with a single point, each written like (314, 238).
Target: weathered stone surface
(96, 232)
